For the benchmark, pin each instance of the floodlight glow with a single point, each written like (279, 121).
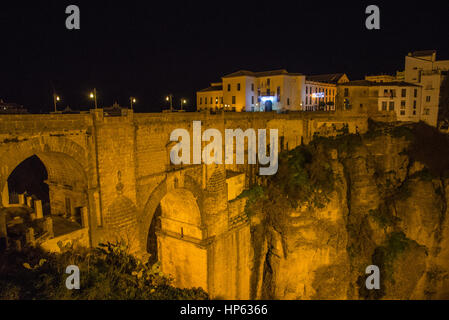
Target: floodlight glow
(318, 95)
(264, 99)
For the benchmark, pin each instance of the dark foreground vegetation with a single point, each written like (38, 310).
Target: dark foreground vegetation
(106, 273)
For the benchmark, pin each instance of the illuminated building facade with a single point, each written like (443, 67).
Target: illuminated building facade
(210, 98)
(363, 96)
(422, 68)
(320, 91)
(278, 90)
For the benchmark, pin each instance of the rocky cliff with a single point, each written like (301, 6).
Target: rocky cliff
(341, 204)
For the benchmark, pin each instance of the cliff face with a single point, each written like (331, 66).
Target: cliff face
(383, 207)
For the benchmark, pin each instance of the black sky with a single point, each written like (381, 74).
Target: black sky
(148, 49)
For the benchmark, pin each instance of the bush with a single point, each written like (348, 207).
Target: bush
(107, 273)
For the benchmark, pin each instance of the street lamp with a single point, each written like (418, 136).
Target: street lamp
(170, 99)
(183, 102)
(93, 95)
(56, 99)
(133, 101)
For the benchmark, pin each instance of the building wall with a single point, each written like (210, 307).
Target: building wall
(255, 91)
(310, 100)
(210, 100)
(426, 72)
(241, 96)
(407, 108)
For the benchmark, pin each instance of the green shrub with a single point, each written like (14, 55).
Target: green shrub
(107, 273)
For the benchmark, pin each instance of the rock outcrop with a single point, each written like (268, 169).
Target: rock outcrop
(385, 208)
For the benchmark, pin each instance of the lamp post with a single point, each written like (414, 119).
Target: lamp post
(56, 99)
(170, 99)
(183, 102)
(133, 101)
(93, 95)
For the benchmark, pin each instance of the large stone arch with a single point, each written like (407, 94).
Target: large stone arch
(168, 185)
(64, 159)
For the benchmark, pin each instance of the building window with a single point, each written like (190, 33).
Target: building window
(386, 93)
(415, 93)
(384, 106)
(216, 100)
(252, 99)
(229, 87)
(414, 104)
(288, 101)
(346, 92)
(268, 82)
(307, 90)
(233, 99)
(391, 106)
(414, 112)
(201, 100)
(402, 112)
(404, 93)
(426, 111)
(403, 104)
(428, 99)
(252, 87)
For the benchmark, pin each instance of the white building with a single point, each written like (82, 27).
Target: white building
(422, 68)
(321, 90)
(276, 90)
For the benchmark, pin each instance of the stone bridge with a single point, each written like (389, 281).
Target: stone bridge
(118, 169)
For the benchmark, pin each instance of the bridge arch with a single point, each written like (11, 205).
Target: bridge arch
(65, 162)
(172, 229)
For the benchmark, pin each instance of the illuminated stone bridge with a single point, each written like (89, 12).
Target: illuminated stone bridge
(117, 171)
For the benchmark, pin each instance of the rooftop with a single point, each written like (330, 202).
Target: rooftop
(423, 53)
(328, 78)
(212, 88)
(366, 83)
(243, 73)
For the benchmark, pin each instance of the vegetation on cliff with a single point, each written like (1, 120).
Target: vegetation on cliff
(375, 176)
(107, 273)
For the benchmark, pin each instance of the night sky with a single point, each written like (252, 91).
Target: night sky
(149, 49)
